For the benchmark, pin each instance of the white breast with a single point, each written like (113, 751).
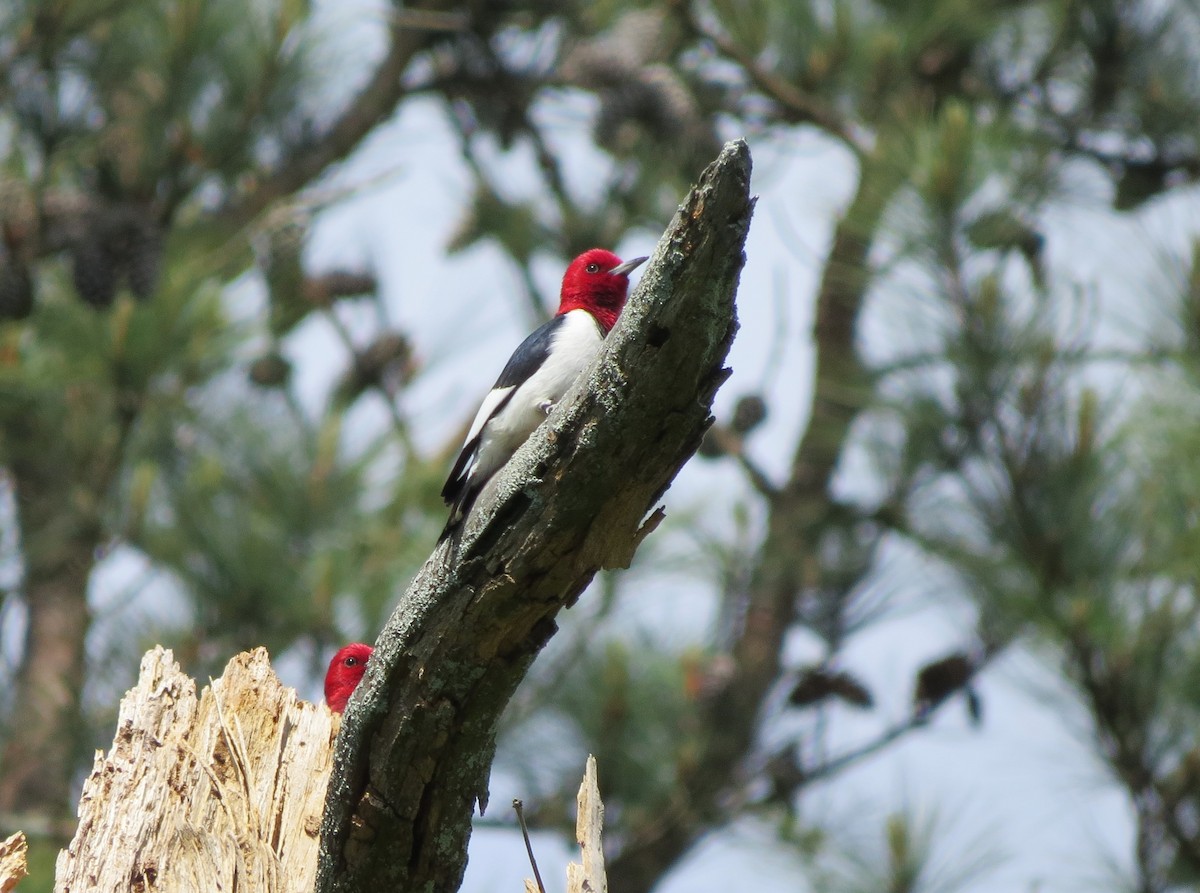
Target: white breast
(576, 343)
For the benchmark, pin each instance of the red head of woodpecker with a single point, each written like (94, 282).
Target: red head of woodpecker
(344, 673)
(539, 373)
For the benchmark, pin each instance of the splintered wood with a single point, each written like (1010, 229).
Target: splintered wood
(589, 828)
(12, 861)
(224, 792)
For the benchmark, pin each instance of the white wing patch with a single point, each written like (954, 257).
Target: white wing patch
(575, 345)
(490, 402)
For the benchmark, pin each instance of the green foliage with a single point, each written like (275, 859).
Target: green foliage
(119, 422)
(275, 533)
(174, 90)
(901, 857)
(627, 702)
(77, 376)
(1003, 456)
(42, 854)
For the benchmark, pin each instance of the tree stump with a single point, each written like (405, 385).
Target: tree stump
(220, 792)
(12, 861)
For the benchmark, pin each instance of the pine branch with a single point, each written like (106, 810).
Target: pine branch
(417, 745)
(324, 289)
(796, 106)
(409, 35)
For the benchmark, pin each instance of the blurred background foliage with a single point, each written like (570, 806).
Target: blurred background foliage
(160, 160)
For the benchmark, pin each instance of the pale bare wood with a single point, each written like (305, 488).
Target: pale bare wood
(12, 861)
(589, 828)
(222, 792)
(588, 877)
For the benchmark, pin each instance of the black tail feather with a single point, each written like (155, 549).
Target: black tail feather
(458, 481)
(463, 502)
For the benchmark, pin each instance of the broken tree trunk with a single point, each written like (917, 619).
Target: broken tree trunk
(416, 747)
(220, 792)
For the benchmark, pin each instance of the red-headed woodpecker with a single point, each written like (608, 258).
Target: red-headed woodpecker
(344, 673)
(539, 373)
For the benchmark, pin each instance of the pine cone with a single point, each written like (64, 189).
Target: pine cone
(653, 102)
(386, 363)
(939, 679)
(748, 414)
(621, 108)
(119, 242)
(94, 270)
(638, 38)
(284, 273)
(818, 683)
(271, 370)
(388, 359)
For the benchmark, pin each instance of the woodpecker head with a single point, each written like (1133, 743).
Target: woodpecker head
(597, 281)
(344, 673)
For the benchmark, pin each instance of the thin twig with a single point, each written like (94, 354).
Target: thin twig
(1153, 356)
(519, 809)
(758, 478)
(915, 720)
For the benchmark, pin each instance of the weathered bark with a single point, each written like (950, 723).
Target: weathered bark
(416, 749)
(220, 792)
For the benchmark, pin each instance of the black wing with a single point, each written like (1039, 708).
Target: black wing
(525, 361)
(528, 358)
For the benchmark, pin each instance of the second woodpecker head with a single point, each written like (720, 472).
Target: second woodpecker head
(598, 281)
(344, 673)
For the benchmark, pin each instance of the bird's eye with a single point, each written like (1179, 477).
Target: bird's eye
(593, 268)
(351, 661)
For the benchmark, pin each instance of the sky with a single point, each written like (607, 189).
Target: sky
(1024, 788)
